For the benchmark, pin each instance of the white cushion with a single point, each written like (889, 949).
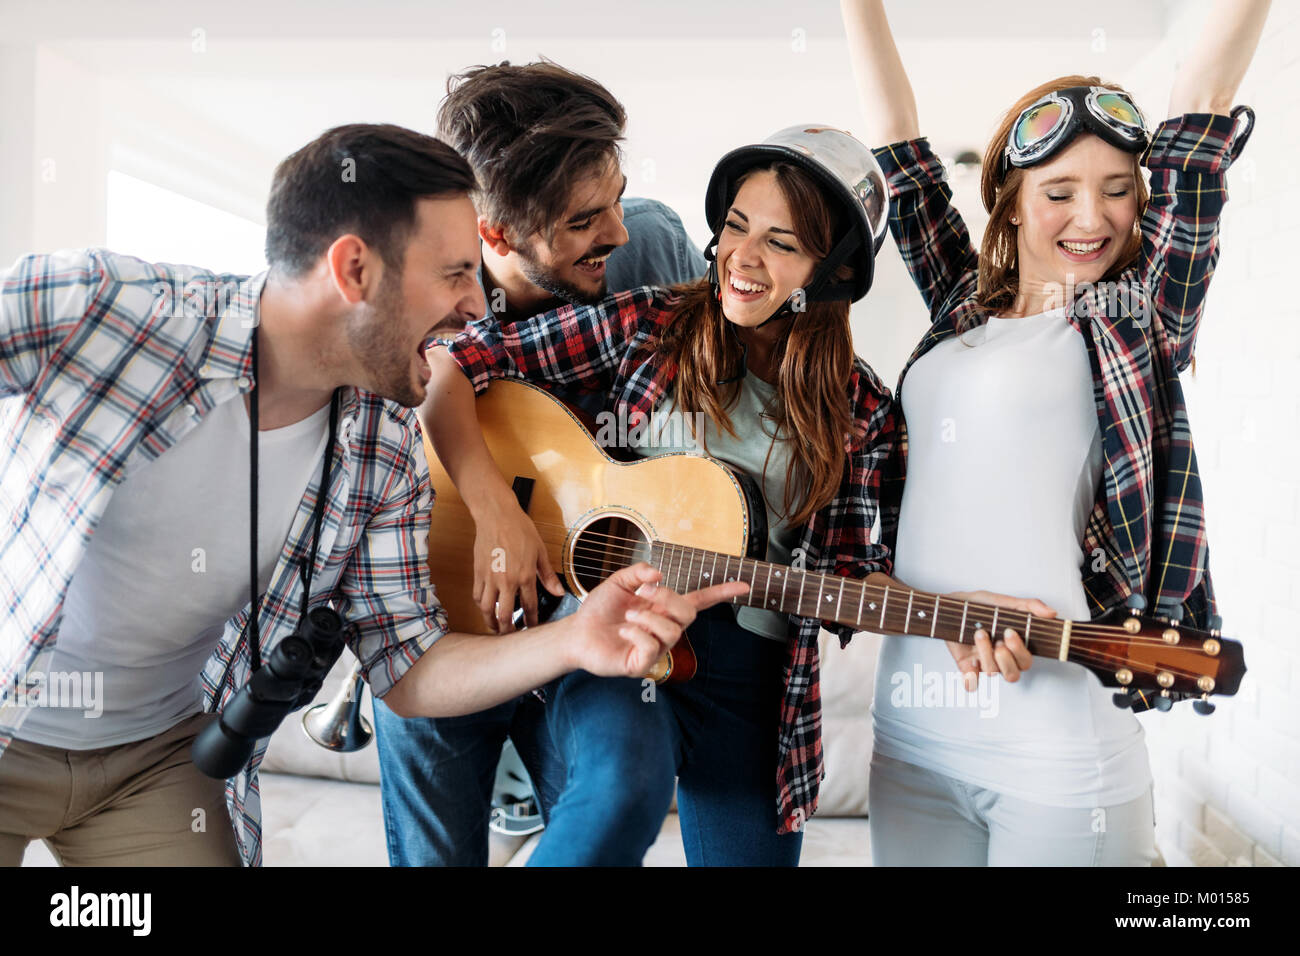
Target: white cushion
(292, 751)
(847, 678)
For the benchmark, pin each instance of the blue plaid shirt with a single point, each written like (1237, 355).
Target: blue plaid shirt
(105, 363)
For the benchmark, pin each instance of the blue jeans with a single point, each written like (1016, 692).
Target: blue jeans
(622, 741)
(437, 776)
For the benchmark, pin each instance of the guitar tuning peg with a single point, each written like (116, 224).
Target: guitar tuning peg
(1175, 614)
(1163, 702)
(1139, 701)
(1121, 700)
(1216, 624)
(1203, 707)
(1136, 603)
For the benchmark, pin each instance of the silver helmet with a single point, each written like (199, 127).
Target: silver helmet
(851, 176)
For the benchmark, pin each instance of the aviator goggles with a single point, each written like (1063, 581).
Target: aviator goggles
(1047, 125)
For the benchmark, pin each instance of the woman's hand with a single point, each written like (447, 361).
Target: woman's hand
(1007, 656)
(628, 622)
(509, 558)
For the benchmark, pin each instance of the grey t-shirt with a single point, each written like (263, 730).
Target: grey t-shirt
(670, 432)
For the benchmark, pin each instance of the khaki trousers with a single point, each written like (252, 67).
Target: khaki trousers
(142, 803)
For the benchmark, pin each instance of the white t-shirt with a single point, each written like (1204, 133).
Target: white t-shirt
(1004, 461)
(165, 569)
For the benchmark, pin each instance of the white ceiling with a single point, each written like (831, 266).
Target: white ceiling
(44, 20)
(696, 77)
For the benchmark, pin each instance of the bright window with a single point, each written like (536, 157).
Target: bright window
(158, 225)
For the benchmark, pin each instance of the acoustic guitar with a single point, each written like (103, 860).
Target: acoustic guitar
(700, 522)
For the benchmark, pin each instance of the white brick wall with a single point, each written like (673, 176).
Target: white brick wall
(1228, 786)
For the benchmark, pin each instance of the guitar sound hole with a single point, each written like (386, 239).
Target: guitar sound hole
(606, 545)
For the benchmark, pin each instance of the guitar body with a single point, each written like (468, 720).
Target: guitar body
(699, 522)
(595, 514)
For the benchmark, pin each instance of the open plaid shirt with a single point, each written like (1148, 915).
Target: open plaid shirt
(610, 348)
(1146, 534)
(105, 363)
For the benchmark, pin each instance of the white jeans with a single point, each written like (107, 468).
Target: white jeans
(922, 818)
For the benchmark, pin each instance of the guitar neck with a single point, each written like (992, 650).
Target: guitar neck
(891, 609)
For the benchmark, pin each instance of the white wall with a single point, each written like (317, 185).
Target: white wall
(1228, 786)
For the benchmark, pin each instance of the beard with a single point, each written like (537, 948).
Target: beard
(377, 340)
(546, 280)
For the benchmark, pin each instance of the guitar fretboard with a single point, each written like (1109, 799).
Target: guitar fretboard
(844, 600)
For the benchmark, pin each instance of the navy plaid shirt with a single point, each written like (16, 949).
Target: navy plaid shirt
(610, 348)
(1146, 534)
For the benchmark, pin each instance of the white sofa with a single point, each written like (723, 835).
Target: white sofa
(322, 808)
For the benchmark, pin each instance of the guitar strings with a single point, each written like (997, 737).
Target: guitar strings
(1082, 653)
(626, 547)
(948, 615)
(641, 544)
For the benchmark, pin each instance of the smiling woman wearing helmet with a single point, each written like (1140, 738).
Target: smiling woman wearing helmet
(1045, 446)
(759, 355)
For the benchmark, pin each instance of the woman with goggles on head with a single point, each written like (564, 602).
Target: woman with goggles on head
(1044, 446)
(759, 354)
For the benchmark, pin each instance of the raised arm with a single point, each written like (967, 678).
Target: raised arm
(929, 232)
(1189, 157)
(888, 104)
(1208, 79)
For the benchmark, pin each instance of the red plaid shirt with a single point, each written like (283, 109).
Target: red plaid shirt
(611, 348)
(1146, 534)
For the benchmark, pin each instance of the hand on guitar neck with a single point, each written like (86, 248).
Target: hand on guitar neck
(1008, 655)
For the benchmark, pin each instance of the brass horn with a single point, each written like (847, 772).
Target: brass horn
(338, 725)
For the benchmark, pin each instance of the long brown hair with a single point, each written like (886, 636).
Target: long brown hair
(999, 273)
(814, 356)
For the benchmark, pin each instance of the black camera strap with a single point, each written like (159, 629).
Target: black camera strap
(305, 567)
